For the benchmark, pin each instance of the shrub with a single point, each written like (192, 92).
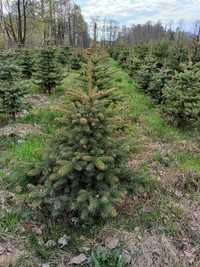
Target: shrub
(182, 101)
(83, 170)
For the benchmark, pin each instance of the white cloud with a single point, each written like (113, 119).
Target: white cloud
(138, 11)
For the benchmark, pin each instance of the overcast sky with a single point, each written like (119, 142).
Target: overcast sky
(139, 11)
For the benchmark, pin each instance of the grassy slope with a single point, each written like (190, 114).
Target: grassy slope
(163, 156)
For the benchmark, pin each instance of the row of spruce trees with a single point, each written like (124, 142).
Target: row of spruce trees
(85, 168)
(43, 67)
(169, 72)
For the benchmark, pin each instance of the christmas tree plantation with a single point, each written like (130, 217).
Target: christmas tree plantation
(83, 172)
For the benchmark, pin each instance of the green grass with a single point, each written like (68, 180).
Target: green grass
(9, 221)
(40, 250)
(18, 152)
(44, 117)
(30, 149)
(20, 156)
(188, 161)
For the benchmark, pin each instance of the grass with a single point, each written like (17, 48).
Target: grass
(160, 214)
(31, 149)
(188, 161)
(45, 117)
(40, 250)
(21, 156)
(9, 221)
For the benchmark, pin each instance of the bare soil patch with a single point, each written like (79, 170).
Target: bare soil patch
(20, 130)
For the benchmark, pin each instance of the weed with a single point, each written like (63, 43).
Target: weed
(39, 248)
(103, 257)
(9, 220)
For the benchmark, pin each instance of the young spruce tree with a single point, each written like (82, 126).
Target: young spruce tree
(49, 74)
(64, 55)
(82, 174)
(12, 91)
(182, 97)
(27, 64)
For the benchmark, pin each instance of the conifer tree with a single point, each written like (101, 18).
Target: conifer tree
(134, 65)
(145, 72)
(27, 64)
(178, 55)
(64, 55)
(101, 72)
(114, 52)
(49, 74)
(83, 171)
(76, 61)
(160, 50)
(195, 55)
(123, 57)
(182, 97)
(12, 91)
(157, 83)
